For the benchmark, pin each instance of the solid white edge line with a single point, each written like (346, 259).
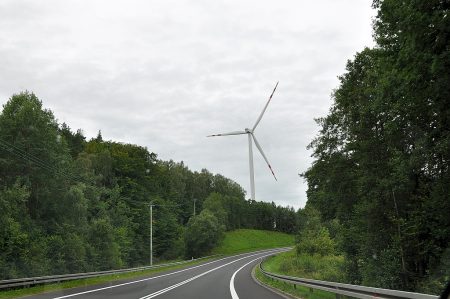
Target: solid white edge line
(140, 280)
(233, 292)
(146, 279)
(165, 290)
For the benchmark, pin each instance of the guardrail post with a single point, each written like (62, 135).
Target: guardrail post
(350, 291)
(338, 296)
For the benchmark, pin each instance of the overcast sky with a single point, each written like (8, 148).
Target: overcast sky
(164, 74)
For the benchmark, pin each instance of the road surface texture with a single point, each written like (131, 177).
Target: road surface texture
(224, 278)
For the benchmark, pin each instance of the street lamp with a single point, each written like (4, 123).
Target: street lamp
(151, 234)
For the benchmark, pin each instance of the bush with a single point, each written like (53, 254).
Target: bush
(315, 242)
(329, 268)
(203, 233)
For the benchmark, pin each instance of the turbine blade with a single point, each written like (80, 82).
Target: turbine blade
(264, 156)
(229, 133)
(265, 107)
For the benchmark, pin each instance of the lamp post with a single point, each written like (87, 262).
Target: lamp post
(151, 234)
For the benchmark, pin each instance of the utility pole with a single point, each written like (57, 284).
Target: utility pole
(151, 234)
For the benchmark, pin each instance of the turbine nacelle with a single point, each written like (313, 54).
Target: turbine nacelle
(248, 131)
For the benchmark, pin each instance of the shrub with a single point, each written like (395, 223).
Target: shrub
(203, 233)
(315, 242)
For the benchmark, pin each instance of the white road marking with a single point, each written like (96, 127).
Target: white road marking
(152, 295)
(234, 295)
(141, 280)
(145, 279)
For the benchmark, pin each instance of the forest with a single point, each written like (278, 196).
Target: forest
(72, 205)
(380, 177)
(378, 198)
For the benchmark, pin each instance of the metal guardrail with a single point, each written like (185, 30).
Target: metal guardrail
(355, 291)
(18, 282)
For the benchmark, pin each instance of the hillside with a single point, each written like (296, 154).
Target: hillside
(242, 240)
(74, 205)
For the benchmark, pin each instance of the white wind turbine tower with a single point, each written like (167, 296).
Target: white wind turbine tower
(251, 135)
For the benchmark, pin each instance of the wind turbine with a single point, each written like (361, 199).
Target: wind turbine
(251, 135)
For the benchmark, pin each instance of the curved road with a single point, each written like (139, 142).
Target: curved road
(225, 278)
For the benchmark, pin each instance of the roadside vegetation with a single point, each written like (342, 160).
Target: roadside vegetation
(21, 292)
(297, 291)
(244, 240)
(381, 167)
(328, 268)
(72, 205)
(378, 189)
(232, 243)
(317, 255)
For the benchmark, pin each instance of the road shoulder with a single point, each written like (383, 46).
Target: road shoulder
(274, 290)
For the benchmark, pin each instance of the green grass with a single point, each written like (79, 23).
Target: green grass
(244, 240)
(238, 241)
(16, 293)
(329, 268)
(297, 291)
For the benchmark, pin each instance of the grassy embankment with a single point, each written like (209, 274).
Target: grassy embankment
(16, 293)
(237, 241)
(244, 240)
(329, 268)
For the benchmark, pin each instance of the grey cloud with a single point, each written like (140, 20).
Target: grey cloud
(164, 74)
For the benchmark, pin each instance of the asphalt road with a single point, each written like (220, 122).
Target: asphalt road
(224, 278)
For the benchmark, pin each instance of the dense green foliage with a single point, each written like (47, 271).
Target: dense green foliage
(316, 254)
(203, 233)
(72, 205)
(313, 238)
(328, 268)
(243, 240)
(297, 291)
(381, 172)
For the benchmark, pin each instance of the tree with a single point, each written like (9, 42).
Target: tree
(104, 251)
(71, 205)
(167, 232)
(215, 204)
(203, 233)
(33, 149)
(75, 141)
(313, 238)
(14, 238)
(382, 155)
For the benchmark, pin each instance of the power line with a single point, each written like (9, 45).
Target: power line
(21, 154)
(11, 148)
(149, 203)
